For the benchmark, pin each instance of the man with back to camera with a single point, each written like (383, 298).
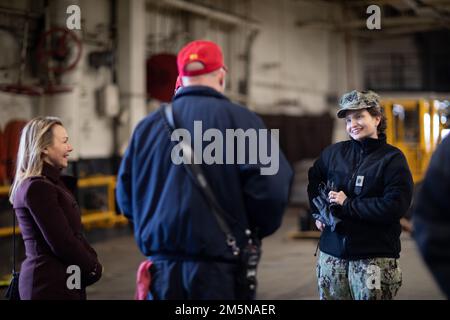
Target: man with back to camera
(431, 216)
(174, 225)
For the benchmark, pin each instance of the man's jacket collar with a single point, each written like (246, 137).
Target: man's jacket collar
(198, 91)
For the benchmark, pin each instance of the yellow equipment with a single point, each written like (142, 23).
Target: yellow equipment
(416, 126)
(101, 218)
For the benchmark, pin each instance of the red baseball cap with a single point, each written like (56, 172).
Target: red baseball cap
(207, 53)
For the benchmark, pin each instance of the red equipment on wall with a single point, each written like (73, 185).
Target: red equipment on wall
(162, 74)
(59, 49)
(2, 159)
(11, 138)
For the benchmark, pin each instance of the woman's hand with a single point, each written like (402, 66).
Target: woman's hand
(320, 225)
(337, 197)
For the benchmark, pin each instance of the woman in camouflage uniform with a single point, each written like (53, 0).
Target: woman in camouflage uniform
(359, 189)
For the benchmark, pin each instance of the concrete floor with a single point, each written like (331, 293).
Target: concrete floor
(287, 269)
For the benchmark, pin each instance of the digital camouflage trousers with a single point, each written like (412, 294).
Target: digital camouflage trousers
(365, 279)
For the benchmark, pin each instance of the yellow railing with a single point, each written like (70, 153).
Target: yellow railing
(6, 231)
(106, 218)
(4, 191)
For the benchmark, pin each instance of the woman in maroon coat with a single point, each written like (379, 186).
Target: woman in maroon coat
(49, 217)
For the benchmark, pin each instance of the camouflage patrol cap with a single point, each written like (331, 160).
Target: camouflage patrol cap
(357, 100)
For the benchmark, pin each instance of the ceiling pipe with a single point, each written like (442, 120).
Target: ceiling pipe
(361, 24)
(212, 13)
(21, 13)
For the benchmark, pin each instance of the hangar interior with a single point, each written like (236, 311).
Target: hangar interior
(289, 61)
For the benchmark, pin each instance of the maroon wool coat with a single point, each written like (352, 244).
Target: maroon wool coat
(50, 221)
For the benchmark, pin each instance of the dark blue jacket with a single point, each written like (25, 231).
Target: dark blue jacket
(169, 212)
(371, 214)
(431, 216)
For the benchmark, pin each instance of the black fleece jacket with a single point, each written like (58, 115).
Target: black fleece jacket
(378, 183)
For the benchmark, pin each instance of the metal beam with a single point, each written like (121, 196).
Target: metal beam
(21, 13)
(389, 22)
(363, 3)
(360, 24)
(212, 13)
(436, 2)
(369, 34)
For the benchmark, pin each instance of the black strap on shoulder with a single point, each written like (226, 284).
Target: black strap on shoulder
(196, 173)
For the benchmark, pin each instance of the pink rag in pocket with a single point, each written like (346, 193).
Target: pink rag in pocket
(143, 280)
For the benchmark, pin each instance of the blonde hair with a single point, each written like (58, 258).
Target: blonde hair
(35, 137)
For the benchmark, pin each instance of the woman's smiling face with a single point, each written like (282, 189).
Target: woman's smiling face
(360, 124)
(58, 153)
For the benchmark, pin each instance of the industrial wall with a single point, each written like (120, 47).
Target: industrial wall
(276, 65)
